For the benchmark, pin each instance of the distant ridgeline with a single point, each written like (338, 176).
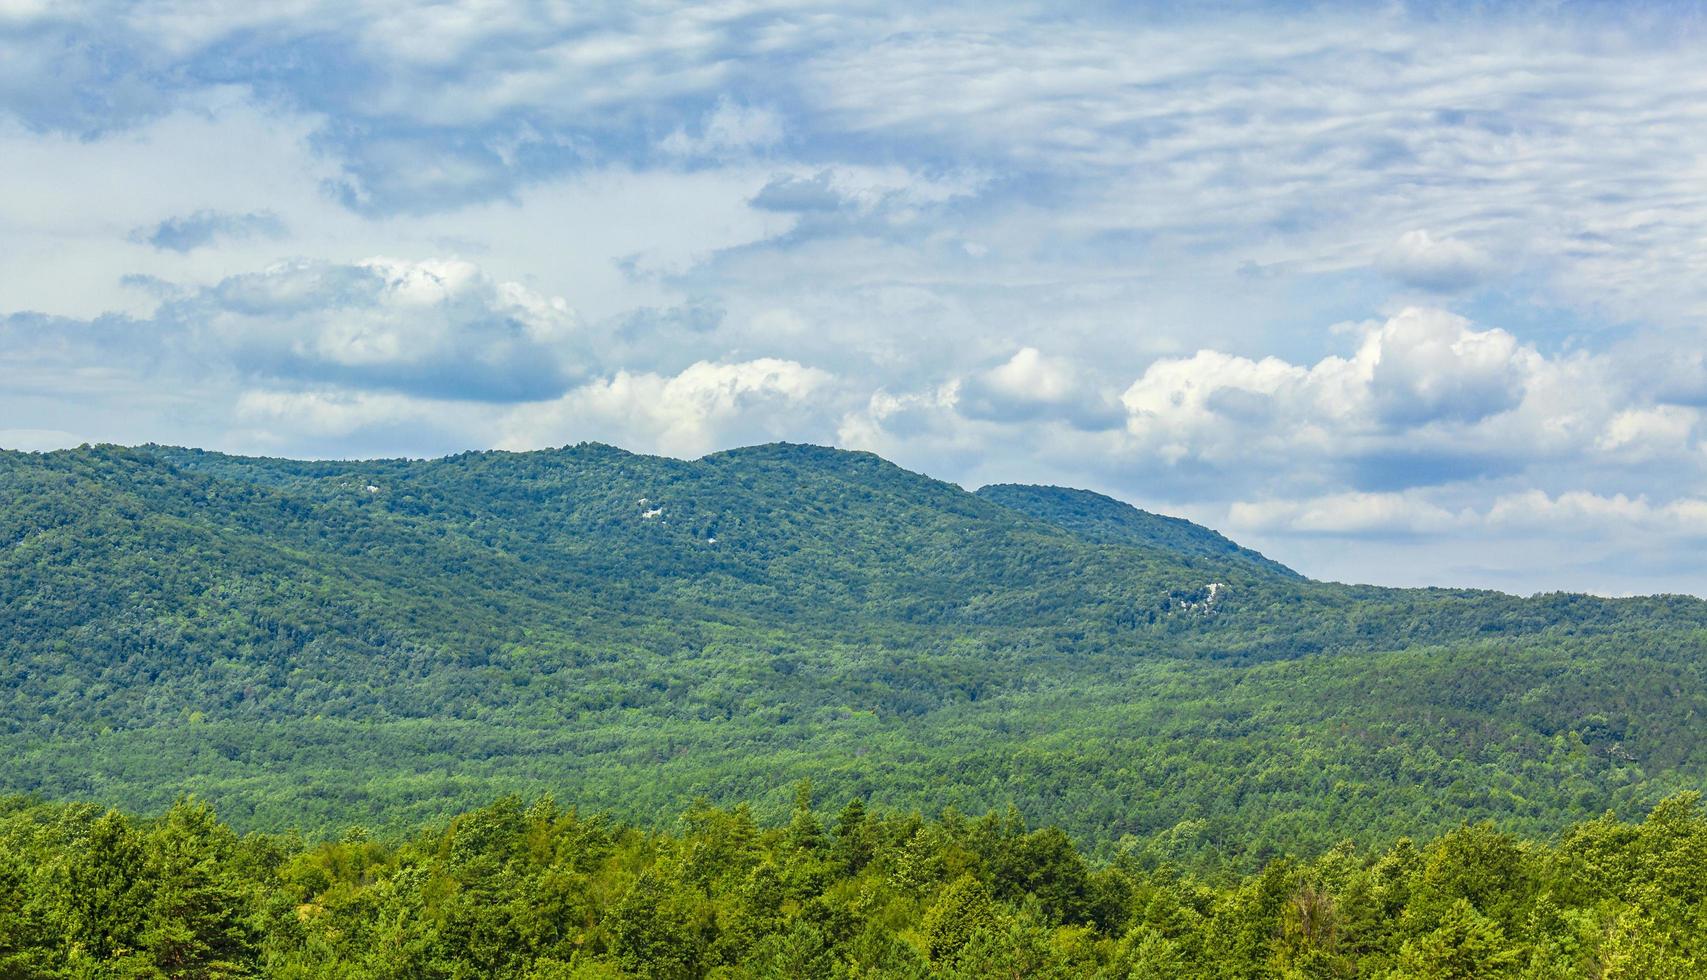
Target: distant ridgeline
(540, 892)
(1103, 520)
(314, 644)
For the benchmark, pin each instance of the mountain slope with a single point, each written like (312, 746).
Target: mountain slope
(314, 643)
(1105, 520)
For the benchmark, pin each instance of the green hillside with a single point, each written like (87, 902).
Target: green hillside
(1105, 520)
(314, 644)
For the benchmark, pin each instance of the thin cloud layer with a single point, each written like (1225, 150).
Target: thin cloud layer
(191, 231)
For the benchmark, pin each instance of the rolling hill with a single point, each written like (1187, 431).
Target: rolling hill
(316, 644)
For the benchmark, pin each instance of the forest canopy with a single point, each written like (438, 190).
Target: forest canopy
(537, 890)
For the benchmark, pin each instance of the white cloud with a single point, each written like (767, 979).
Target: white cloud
(705, 407)
(69, 207)
(889, 421)
(331, 414)
(38, 440)
(1568, 514)
(1316, 141)
(1428, 365)
(1421, 369)
(19, 11)
(1348, 514)
(1031, 384)
(1186, 406)
(1523, 540)
(438, 327)
(1029, 376)
(1653, 432)
(1444, 265)
(1578, 512)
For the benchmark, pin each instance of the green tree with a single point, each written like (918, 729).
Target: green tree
(962, 909)
(650, 934)
(1465, 946)
(199, 919)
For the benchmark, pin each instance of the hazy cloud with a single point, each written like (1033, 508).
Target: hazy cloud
(206, 227)
(789, 193)
(728, 128)
(1371, 514)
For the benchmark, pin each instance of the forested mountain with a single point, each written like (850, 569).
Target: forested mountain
(314, 644)
(1105, 520)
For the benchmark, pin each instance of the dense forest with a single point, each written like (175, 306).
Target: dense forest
(535, 890)
(308, 645)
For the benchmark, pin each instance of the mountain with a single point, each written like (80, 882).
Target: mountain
(314, 644)
(1104, 520)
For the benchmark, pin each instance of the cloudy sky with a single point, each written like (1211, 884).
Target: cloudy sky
(1411, 294)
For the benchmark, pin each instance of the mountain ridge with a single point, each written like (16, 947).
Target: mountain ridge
(312, 643)
(1104, 519)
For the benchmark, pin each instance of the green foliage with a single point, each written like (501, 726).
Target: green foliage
(961, 914)
(536, 891)
(316, 645)
(1103, 520)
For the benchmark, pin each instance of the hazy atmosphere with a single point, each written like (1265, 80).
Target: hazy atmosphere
(1390, 295)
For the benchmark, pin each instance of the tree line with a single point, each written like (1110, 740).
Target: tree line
(537, 890)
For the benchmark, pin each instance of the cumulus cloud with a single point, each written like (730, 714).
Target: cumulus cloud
(1428, 365)
(704, 407)
(1656, 431)
(435, 328)
(889, 420)
(440, 328)
(1031, 384)
(1421, 369)
(1190, 406)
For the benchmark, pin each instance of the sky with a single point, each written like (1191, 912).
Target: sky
(1413, 294)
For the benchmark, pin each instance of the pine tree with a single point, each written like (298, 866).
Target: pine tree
(853, 846)
(963, 908)
(197, 918)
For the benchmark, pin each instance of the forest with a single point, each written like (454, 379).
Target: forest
(310, 645)
(532, 889)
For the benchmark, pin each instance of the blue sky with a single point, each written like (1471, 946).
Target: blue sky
(1412, 294)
